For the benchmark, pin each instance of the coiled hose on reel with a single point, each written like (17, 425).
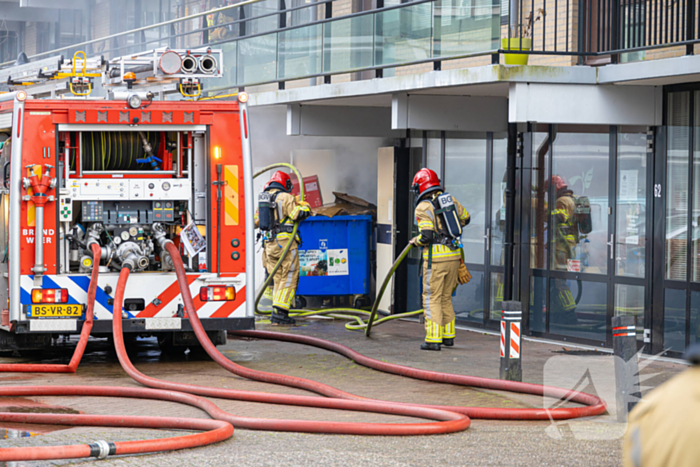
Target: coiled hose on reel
(116, 150)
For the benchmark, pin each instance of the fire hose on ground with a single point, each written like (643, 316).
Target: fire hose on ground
(446, 419)
(214, 430)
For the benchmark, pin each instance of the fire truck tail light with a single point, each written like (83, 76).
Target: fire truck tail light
(217, 152)
(217, 293)
(49, 295)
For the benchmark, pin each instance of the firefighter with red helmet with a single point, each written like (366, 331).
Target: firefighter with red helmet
(278, 210)
(440, 219)
(566, 239)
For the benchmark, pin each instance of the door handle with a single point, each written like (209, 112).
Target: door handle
(487, 237)
(611, 244)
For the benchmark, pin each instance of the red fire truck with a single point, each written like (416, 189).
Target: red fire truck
(121, 170)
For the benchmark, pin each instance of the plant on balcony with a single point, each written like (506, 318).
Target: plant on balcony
(521, 38)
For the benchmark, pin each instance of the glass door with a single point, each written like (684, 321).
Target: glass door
(474, 172)
(631, 291)
(586, 225)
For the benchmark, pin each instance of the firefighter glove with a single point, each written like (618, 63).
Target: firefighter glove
(464, 275)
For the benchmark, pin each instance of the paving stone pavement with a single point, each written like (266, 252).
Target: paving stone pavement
(588, 442)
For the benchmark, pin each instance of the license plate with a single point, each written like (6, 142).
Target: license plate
(55, 311)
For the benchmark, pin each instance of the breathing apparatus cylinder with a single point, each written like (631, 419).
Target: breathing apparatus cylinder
(447, 211)
(266, 208)
(582, 211)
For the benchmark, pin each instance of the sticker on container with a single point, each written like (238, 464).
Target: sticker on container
(192, 240)
(573, 265)
(338, 264)
(313, 263)
(323, 244)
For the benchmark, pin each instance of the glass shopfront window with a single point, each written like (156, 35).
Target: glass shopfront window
(680, 266)
(541, 145)
(631, 240)
(579, 186)
(677, 166)
(498, 199)
(465, 179)
(695, 222)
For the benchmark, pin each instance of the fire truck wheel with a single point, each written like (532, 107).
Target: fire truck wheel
(165, 342)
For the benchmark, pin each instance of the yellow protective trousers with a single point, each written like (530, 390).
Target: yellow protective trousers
(448, 330)
(438, 283)
(286, 278)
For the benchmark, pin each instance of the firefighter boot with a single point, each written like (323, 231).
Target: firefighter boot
(448, 334)
(433, 336)
(430, 346)
(281, 316)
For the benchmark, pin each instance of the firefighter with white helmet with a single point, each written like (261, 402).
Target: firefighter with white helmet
(440, 219)
(278, 210)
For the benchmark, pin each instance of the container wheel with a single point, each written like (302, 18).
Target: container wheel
(299, 302)
(360, 301)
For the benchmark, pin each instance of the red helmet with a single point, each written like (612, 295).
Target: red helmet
(558, 181)
(280, 180)
(425, 181)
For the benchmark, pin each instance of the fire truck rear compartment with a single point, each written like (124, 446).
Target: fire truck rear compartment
(123, 186)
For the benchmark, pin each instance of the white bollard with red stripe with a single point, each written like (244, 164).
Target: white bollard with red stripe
(511, 349)
(626, 367)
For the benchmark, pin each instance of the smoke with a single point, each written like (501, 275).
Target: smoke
(344, 164)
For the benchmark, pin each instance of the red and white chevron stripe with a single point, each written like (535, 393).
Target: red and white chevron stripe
(514, 339)
(503, 339)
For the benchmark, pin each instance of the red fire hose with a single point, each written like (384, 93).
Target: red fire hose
(449, 422)
(594, 405)
(214, 430)
(450, 419)
(84, 334)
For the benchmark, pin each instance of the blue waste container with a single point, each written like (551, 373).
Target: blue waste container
(334, 257)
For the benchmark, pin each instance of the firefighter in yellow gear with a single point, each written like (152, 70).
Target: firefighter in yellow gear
(661, 429)
(277, 212)
(565, 241)
(224, 18)
(440, 228)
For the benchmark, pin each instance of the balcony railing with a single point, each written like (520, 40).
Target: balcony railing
(603, 27)
(283, 44)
